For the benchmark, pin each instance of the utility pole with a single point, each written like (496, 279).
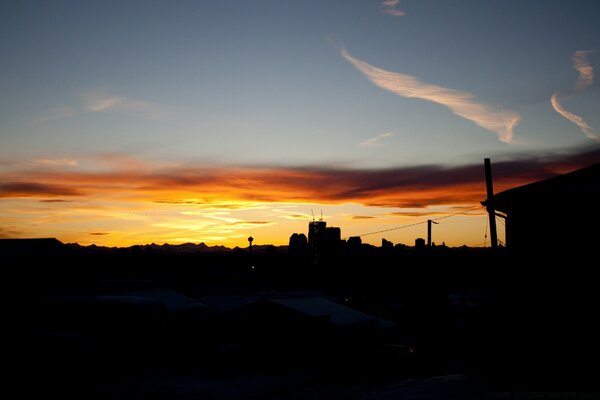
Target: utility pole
(488, 204)
(429, 222)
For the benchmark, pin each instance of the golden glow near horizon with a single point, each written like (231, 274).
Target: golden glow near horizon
(119, 204)
(111, 224)
(122, 200)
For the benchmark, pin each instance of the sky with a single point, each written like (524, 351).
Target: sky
(132, 122)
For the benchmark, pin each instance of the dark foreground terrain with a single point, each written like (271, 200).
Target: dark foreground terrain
(192, 322)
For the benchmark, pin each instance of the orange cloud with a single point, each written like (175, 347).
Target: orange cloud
(231, 187)
(175, 204)
(34, 189)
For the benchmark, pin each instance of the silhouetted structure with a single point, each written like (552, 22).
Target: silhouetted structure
(489, 185)
(322, 239)
(558, 210)
(386, 244)
(333, 234)
(420, 243)
(429, 222)
(354, 242)
(298, 244)
(316, 237)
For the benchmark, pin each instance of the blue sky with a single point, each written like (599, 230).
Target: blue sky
(265, 83)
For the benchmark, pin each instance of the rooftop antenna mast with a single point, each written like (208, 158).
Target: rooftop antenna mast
(321, 219)
(313, 213)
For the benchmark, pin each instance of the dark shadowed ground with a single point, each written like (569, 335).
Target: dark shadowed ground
(364, 322)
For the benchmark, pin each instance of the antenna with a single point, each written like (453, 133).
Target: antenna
(321, 219)
(313, 213)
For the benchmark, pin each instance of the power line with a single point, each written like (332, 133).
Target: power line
(393, 229)
(458, 213)
(418, 223)
(466, 220)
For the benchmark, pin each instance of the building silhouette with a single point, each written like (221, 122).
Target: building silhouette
(317, 235)
(419, 243)
(298, 244)
(333, 234)
(354, 242)
(323, 240)
(558, 212)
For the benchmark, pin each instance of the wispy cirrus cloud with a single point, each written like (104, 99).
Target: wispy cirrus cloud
(61, 162)
(103, 101)
(586, 72)
(585, 79)
(99, 101)
(376, 140)
(574, 118)
(55, 113)
(389, 7)
(463, 104)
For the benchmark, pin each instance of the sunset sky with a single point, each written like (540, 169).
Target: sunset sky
(131, 122)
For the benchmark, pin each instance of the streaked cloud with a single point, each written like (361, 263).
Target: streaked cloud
(55, 114)
(34, 189)
(584, 80)
(376, 140)
(429, 213)
(61, 162)
(194, 202)
(585, 69)
(306, 217)
(389, 7)
(463, 104)
(10, 232)
(210, 187)
(576, 119)
(99, 101)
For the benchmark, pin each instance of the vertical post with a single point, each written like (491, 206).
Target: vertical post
(490, 208)
(428, 233)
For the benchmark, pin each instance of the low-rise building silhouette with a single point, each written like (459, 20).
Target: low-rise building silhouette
(354, 242)
(558, 210)
(386, 244)
(420, 243)
(298, 244)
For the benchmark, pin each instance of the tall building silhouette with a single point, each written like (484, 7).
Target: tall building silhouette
(317, 235)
